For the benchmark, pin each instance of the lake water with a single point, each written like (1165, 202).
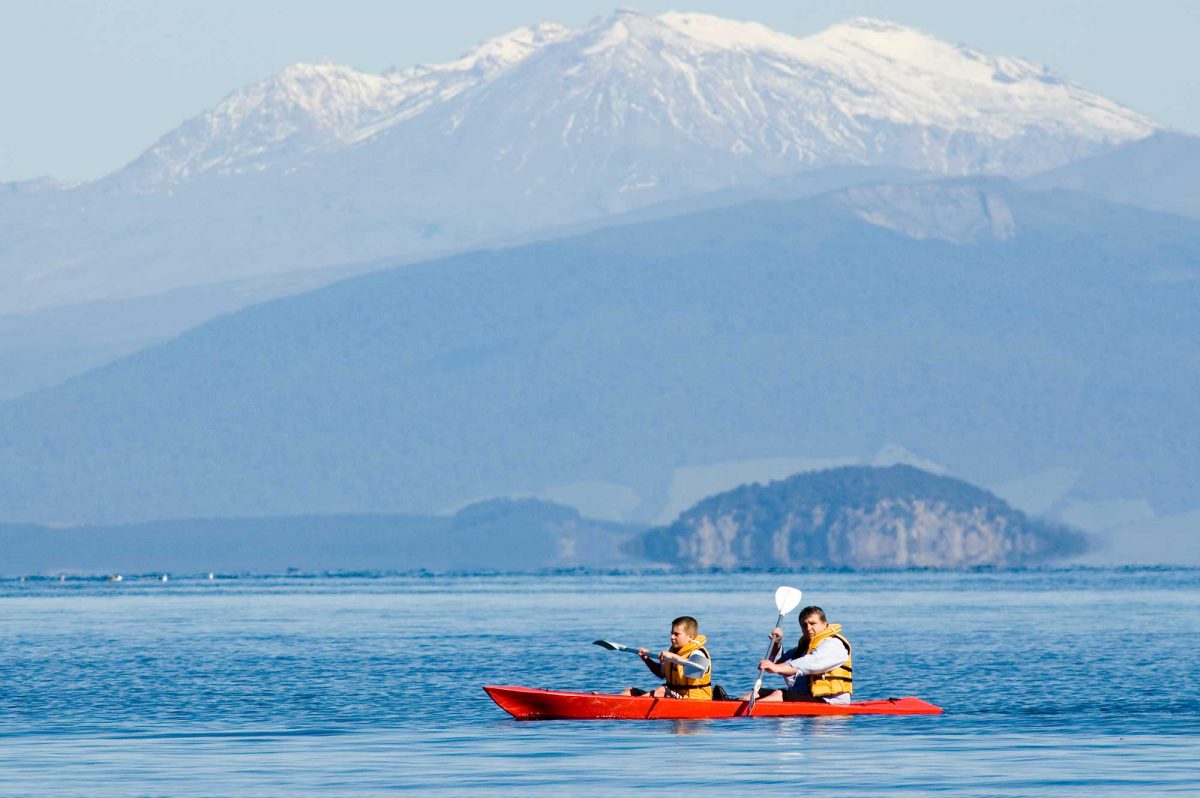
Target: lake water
(1053, 682)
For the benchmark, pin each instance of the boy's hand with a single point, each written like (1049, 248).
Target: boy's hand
(642, 652)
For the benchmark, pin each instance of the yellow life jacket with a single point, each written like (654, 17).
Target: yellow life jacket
(838, 680)
(697, 688)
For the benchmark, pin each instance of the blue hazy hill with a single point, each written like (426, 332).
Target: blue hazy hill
(1160, 172)
(500, 534)
(1060, 332)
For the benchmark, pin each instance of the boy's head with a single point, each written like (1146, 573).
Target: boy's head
(683, 629)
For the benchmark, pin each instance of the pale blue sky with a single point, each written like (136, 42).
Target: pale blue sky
(85, 86)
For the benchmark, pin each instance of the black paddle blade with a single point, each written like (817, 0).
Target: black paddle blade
(611, 646)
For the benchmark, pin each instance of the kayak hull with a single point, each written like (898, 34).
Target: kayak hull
(527, 703)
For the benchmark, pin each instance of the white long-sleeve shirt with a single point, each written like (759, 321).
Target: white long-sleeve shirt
(828, 654)
(697, 665)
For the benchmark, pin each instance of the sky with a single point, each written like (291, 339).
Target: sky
(85, 87)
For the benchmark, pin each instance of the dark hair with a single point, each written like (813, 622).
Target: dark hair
(817, 611)
(689, 624)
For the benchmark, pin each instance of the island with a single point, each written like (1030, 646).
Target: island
(857, 517)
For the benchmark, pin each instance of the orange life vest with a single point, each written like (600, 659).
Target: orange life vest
(696, 688)
(840, 679)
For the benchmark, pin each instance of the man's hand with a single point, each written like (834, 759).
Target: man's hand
(784, 668)
(776, 634)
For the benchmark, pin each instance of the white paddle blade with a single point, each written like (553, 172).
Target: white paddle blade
(787, 599)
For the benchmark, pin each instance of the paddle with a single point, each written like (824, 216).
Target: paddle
(786, 600)
(611, 646)
(614, 646)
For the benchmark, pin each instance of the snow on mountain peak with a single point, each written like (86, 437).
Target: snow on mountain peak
(307, 106)
(304, 105)
(907, 76)
(509, 48)
(729, 86)
(877, 25)
(686, 31)
(729, 34)
(324, 98)
(546, 126)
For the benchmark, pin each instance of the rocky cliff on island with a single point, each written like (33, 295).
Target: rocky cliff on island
(858, 517)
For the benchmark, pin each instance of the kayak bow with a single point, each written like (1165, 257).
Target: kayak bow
(527, 703)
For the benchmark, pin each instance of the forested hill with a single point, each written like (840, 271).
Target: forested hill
(858, 517)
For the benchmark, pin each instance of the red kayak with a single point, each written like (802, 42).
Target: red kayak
(526, 703)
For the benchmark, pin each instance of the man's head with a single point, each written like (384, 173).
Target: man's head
(683, 629)
(812, 621)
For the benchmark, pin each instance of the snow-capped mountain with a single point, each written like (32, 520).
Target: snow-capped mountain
(309, 107)
(862, 92)
(324, 165)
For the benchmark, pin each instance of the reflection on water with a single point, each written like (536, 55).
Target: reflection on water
(688, 727)
(816, 726)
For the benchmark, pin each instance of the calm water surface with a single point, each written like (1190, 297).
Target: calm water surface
(1054, 683)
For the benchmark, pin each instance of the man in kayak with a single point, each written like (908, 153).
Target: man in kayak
(686, 667)
(817, 669)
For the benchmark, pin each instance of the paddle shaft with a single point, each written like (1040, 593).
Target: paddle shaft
(611, 646)
(758, 681)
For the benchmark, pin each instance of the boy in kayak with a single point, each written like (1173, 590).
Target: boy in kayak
(686, 667)
(817, 669)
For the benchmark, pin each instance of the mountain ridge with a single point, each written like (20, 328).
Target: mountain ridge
(331, 103)
(541, 128)
(1160, 172)
(865, 54)
(499, 534)
(618, 355)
